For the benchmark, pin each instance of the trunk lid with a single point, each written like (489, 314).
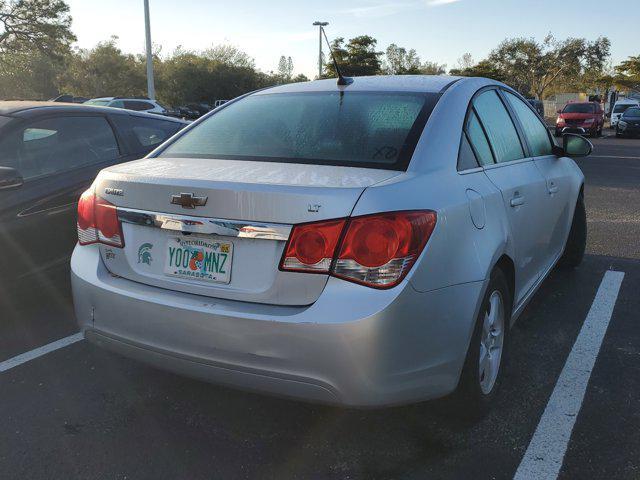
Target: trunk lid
(241, 230)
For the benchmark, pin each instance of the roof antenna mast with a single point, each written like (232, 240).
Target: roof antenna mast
(342, 80)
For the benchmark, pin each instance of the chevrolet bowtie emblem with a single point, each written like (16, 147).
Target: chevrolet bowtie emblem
(188, 200)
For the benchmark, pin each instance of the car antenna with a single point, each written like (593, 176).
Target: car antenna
(342, 80)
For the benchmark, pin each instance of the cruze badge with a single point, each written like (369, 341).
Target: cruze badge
(114, 191)
(188, 200)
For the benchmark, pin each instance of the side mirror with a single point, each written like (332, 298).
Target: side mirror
(574, 146)
(10, 178)
(558, 111)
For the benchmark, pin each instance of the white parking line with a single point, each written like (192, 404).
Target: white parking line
(614, 156)
(40, 351)
(544, 456)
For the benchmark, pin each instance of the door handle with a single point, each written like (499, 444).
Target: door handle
(517, 201)
(552, 188)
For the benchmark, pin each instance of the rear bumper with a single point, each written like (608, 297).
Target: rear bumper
(354, 346)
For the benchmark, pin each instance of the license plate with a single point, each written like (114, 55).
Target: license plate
(199, 258)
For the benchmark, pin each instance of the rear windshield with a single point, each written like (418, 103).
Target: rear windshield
(622, 107)
(631, 112)
(579, 108)
(363, 129)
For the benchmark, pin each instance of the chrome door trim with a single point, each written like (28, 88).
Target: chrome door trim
(492, 166)
(205, 226)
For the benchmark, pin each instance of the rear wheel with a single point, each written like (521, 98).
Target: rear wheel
(482, 372)
(577, 241)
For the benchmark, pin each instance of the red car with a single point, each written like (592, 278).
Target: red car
(580, 117)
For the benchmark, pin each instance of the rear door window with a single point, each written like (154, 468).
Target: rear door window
(466, 157)
(500, 129)
(478, 140)
(149, 132)
(137, 105)
(535, 131)
(59, 144)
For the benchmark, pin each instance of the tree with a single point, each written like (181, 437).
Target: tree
(229, 55)
(399, 61)
(221, 72)
(359, 57)
(29, 76)
(532, 67)
(466, 61)
(433, 68)
(484, 68)
(285, 68)
(34, 41)
(627, 74)
(104, 70)
(34, 25)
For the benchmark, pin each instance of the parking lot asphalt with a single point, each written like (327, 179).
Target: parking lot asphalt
(79, 412)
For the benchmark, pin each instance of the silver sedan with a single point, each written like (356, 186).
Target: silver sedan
(365, 244)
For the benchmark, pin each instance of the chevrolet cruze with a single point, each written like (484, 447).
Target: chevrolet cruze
(365, 244)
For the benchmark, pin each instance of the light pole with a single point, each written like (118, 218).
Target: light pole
(151, 90)
(320, 26)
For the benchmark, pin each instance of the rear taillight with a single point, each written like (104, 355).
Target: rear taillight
(311, 247)
(379, 250)
(374, 250)
(98, 221)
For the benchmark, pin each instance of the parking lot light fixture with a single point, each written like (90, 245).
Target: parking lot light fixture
(320, 26)
(151, 90)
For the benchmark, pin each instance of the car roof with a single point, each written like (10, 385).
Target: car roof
(25, 109)
(390, 83)
(144, 99)
(632, 101)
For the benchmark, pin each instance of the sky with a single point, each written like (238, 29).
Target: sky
(439, 30)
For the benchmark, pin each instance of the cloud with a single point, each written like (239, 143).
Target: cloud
(438, 3)
(384, 9)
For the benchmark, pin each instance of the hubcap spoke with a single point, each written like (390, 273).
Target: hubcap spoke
(485, 364)
(491, 342)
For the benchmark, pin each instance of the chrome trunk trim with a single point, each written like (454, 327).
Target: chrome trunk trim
(205, 226)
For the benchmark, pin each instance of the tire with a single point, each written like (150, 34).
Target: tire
(577, 241)
(478, 387)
